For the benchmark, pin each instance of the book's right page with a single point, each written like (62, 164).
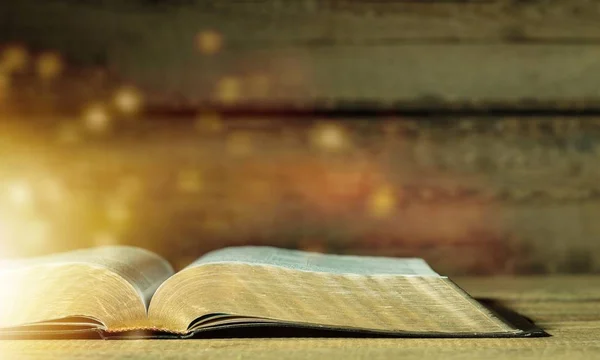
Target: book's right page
(316, 262)
(247, 286)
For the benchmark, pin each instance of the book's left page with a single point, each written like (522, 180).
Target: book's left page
(107, 288)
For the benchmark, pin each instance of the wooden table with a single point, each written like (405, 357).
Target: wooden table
(567, 307)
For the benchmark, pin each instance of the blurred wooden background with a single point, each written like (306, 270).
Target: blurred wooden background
(465, 132)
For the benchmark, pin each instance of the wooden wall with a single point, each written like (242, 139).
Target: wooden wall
(466, 132)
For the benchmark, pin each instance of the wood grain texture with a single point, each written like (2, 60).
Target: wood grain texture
(512, 194)
(312, 52)
(573, 322)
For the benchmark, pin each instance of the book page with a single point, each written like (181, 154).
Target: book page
(306, 261)
(144, 270)
(230, 293)
(110, 285)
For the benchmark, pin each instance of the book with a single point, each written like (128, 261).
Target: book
(127, 292)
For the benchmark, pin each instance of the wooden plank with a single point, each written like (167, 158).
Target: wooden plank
(317, 23)
(383, 76)
(380, 77)
(573, 337)
(574, 344)
(310, 53)
(506, 195)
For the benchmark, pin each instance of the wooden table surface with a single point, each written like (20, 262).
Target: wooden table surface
(567, 307)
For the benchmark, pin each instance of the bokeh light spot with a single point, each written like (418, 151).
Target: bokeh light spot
(228, 90)
(49, 65)
(329, 136)
(20, 194)
(382, 202)
(128, 100)
(209, 42)
(96, 119)
(14, 59)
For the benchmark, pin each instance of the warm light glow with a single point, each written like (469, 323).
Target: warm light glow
(209, 123)
(189, 181)
(228, 90)
(329, 137)
(209, 42)
(11, 286)
(22, 232)
(20, 194)
(96, 119)
(382, 202)
(37, 234)
(14, 59)
(49, 66)
(6, 239)
(128, 100)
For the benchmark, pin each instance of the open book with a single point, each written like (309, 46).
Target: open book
(131, 292)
